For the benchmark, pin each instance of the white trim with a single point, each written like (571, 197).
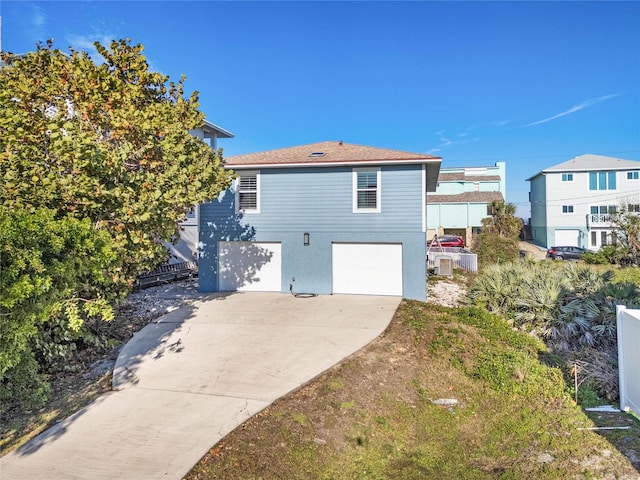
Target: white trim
(424, 198)
(350, 163)
(258, 192)
(354, 188)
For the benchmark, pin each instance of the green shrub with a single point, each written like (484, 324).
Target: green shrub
(492, 249)
(627, 275)
(607, 255)
(571, 306)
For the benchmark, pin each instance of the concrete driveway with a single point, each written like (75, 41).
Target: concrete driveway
(185, 381)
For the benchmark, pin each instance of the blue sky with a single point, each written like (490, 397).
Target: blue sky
(531, 84)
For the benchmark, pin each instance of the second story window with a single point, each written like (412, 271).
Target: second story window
(248, 192)
(602, 180)
(567, 177)
(633, 175)
(366, 190)
(567, 209)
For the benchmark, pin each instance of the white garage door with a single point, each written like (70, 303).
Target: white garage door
(367, 268)
(567, 237)
(250, 266)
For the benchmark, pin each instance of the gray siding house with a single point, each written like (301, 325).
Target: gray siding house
(323, 218)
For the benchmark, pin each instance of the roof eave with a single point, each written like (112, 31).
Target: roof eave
(218, 131)
(347, 163)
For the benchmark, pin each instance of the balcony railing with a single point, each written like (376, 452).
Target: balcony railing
(599, 219)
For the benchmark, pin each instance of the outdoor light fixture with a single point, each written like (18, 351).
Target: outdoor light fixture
(306, 239)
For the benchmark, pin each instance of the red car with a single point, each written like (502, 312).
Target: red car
(447, 241)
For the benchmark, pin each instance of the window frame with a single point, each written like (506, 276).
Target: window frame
(567, 177)
(603, 180)
(378, 189)
(239, 191)
(633, 175)
(567, 209)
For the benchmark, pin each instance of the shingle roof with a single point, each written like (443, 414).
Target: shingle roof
(329, 152)
(461, 177)
(466, 197)
(591, 162)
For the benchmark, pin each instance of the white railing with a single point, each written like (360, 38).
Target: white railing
(599, 218)
(629, 358)
(462, 259)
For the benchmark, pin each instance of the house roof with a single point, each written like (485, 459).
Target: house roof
(461, 177)
(590, 162)
(466, 197)
(331, 153)
(211, 129)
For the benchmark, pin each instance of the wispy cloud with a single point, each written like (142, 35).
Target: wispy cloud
(85, 42)
(446, 142)
(38, 17)
(576, 108)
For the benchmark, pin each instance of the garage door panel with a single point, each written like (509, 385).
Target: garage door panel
(368, 269)
(250, 266)
(569, 238)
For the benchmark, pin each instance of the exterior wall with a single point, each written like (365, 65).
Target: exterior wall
(538, 195)
(549, 194)
(319, 201)
(448, 216)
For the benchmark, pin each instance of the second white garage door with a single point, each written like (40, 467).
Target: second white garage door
(367, 268)
(250, 266)
(569, 238)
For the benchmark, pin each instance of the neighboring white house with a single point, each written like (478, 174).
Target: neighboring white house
(186, 250)
(571, 201)
(463, 198)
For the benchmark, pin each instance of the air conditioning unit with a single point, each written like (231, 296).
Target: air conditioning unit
(444, 266)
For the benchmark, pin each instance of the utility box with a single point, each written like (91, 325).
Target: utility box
(444, 266)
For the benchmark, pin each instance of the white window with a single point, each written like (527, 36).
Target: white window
(248, 192)
(567, 209)
(633, 175)
(366, 190)
(567, 177)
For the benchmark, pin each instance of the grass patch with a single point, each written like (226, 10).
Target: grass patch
(378, 415)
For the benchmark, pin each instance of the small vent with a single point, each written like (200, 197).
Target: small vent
(316, 154)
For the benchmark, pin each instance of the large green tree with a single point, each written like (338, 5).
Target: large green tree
(97, 169)
(107, 141)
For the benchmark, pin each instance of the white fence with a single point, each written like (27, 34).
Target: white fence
(629, 358)
(461, 258)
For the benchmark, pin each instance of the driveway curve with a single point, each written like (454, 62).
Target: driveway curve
(189, 378)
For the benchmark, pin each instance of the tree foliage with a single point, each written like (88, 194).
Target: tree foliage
(110, 142)
(50, 271)
(498, 239)
(97, 169)
(503, 222)
(626, 228)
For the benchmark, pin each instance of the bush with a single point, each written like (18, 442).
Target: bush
(607, 255)
(492, 249)
(571, 306)
(50, 269)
